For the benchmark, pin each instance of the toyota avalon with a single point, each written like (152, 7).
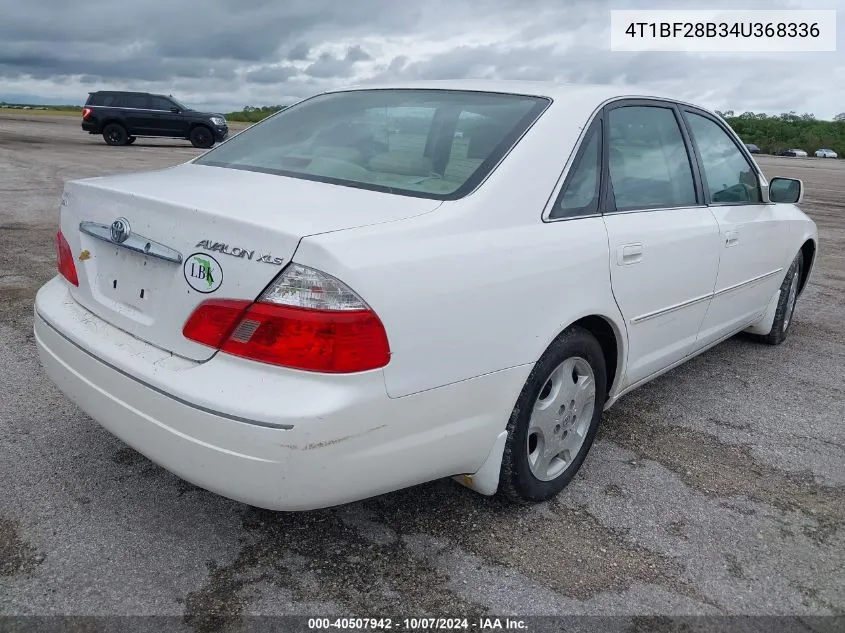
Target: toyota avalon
(379, 287)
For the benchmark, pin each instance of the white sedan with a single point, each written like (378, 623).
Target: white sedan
(826, 153)
(348, 298)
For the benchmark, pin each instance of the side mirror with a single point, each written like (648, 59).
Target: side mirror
(174, 109)
(786, 190)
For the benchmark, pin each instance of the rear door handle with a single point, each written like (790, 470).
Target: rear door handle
(629, 254)
(731, 238)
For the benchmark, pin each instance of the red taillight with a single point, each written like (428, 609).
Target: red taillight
(64, 258)
(86, 112)
(300, 338)
(213, 321)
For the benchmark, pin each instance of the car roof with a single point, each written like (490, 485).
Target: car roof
(130, 92)
(118, 92)
(566, 92)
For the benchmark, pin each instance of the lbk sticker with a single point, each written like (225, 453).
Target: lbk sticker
(203, 273)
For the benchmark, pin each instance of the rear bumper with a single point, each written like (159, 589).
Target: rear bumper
(88, 126)
(344, 440)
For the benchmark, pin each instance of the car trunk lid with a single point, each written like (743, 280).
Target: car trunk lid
(198, 232)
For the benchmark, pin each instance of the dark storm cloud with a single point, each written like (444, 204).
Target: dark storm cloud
(214, 31)
(357, 54)
(259, 51)
(328, 65)
(272, 74)
(228, 29)
(299, 52)
(144, 66)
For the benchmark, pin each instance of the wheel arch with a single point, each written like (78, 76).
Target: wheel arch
(808, 250)
(114, 121)
(611, 338)
(195, 124)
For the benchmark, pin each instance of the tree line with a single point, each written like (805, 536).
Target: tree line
(254, 114)
(772, 132)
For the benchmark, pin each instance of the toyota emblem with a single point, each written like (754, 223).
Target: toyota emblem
(120, 230)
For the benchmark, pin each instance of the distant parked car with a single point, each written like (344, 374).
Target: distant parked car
(752, 148)
(826, 153)
(121, 117)
(795, 153)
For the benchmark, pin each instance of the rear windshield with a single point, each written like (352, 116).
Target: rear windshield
(427, 143)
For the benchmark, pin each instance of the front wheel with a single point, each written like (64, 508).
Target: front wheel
(201, 137)
(786, 302)
(555, 419)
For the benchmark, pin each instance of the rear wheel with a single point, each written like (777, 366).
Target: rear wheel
(201, 137)
(786, 302)
(115, 134)
(555, 419)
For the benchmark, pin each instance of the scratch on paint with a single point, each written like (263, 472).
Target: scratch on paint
(338, 440)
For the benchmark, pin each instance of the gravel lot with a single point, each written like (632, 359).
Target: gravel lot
(717, 489)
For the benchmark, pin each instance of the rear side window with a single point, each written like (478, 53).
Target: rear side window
(648, 161)
(730, 178)
(580, 194)
(101, 99)
(130, 100)
(427, 143)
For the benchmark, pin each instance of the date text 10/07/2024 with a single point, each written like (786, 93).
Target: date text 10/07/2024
(418, 624)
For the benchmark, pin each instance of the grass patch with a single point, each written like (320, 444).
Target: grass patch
(46, 112)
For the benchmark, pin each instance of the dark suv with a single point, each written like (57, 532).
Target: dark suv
(121, 117)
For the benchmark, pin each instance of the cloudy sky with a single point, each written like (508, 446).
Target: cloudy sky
(224, 54)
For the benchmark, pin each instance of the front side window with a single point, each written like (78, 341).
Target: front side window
(160, 103)
(729, 176)
(648, 161)
(428, 143)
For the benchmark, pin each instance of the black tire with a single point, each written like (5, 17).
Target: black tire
(517, 481)
(131, 140)
(201, 137)
(786, 303)
(115, 134)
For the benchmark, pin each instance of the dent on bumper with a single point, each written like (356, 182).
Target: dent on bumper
(343, 447)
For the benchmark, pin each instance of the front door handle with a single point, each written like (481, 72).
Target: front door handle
(629, 254)
(731, 238)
